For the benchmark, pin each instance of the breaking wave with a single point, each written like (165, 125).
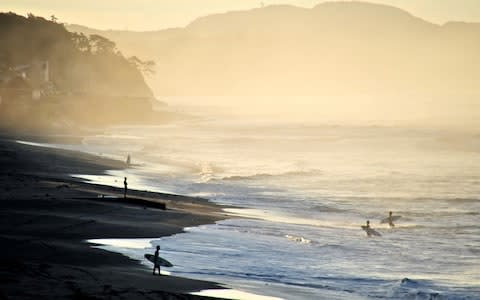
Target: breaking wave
(258, 176)
(298, 239)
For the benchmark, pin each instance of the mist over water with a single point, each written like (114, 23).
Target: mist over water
(309, 187)
(309, 122)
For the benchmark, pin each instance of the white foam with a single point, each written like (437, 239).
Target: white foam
(233, 294)
(267, 216)
(124, 243)
(37, 144)
(299, 239)
(115, 178)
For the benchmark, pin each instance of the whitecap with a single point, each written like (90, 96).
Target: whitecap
(299, 239)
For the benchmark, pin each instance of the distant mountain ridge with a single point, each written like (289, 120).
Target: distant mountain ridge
(334, 48)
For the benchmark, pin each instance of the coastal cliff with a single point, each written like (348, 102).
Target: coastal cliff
(51, 78)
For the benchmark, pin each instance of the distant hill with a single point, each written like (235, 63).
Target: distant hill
(391, 63)
(290, 50)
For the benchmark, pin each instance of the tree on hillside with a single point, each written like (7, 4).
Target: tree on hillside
(81, 42)
(146, 67)
(76, 63)
(101, 45)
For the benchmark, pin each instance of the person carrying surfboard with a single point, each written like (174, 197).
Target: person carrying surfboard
(156, 261)
(369, 230)
(390, 219)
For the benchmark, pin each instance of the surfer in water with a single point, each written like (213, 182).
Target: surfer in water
(156, 261)
(390, 220)
(367, 228)
(125, 184)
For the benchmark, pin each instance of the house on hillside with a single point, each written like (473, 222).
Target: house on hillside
(16, 89)
(28, 81)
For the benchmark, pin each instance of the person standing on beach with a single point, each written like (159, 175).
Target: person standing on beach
(156, 261)
(125, 189)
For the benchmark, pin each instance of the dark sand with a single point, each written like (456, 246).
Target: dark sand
(46, 216)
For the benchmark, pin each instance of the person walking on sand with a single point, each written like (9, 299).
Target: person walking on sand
(125, 184)
(156, 261)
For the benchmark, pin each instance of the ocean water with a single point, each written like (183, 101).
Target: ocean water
(305, 191)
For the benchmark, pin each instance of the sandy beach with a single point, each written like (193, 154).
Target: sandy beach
(46, 217)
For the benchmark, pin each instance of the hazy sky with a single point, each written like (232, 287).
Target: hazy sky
(158, 14)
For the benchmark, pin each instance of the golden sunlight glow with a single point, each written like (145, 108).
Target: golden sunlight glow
(153, 15)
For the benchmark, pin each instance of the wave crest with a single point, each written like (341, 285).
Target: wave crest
(298, 239)
(257, 176)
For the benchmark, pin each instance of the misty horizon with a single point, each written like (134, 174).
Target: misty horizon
(122, 15)
(334, 63)
(384, 65)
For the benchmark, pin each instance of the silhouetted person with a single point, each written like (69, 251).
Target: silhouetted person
(367, 228)
(156, 261)
(128, 160)
(125, 184)
(390, 220)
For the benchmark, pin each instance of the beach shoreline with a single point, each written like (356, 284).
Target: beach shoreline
(47, 216)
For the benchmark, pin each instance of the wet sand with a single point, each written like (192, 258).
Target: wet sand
(46, 216)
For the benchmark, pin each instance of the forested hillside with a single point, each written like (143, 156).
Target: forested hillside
(52, 77)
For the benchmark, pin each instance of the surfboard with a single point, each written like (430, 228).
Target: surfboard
(371, 231)
(163, 261)
(386, 220)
